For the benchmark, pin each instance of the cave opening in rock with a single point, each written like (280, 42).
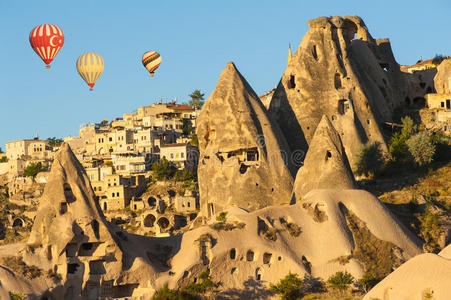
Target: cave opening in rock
(149, 220)
(250, 255)
(337, 81)
(291, 83)
(314, 52)
(385, 67)
(232, 253)
(163, 222)
(63, 208)
(72, 268)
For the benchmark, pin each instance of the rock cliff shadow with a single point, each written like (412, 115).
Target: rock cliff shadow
(253, 289)
(281, 111)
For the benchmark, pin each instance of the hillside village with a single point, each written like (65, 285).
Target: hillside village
(336, 180)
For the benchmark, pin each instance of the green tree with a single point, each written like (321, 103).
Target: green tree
(367, 282)
(197, 99)
(421, 148)
(1, 151)
(409, 126)
(340, 281)
(195, 140)
(32, 169)
(166, 294)
(163, 169)
(187, 127)
(288, 287)
(438, 58)
(203, 286)
(398, 148)
(369, 160)
(54, 142)
(3, 159)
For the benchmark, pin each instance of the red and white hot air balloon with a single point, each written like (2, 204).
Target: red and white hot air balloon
(47, 40)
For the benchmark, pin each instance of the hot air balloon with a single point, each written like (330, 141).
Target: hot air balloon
(151, 61)
(90, 66)
(47, 40)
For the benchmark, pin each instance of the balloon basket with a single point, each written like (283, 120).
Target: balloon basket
(91, 89)
(151, 74)
(47, 67)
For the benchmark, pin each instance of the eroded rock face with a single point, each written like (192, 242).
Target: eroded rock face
(244, 159)
(326, 165)
(442, 79)
(339, 71)
(71, 238)
(426, 276)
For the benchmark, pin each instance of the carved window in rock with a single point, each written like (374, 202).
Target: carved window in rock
(291, 84)
(258, 274)
(343, 106)
(337, 81)
(252, 155)
(267, 258)
(328, 155)
(68, 193)
(149, 220)
(72, 268)
(314, 52)
(63, 208)
(250, 255)
(163, 223)
(232, 253)
(211, 208)
(385, 67)
(87, 249)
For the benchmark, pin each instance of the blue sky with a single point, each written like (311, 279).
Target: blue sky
(195, 38)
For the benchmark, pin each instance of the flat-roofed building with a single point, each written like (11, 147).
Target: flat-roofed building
(34, 148)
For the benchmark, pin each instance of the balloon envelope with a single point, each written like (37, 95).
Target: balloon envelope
(151, 61)
(90, 66)
(47, 40)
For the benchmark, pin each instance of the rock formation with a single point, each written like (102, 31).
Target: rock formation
(314, 237)
(339, 71)
(326, 165)
(90, 258)
(442, 79)
(244, 159)
(426, 276)
(71, 238)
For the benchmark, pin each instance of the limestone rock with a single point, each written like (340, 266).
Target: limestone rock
(326, 165)
(340, 71)
(244, 159)
(442, 79)
(426, 276)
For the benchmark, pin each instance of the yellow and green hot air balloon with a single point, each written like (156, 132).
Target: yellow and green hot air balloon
(90, 66)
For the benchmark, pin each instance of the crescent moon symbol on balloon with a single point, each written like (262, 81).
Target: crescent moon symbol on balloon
(51, 41)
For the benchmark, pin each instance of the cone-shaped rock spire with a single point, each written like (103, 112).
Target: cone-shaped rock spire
(244, 159)
(326, 165)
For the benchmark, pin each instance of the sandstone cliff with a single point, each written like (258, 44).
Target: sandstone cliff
(426, 276)
(326, 165)
(340, 71)
(442, 79)
(71, 237)
(244, 159)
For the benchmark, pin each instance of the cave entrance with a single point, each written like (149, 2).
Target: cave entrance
(385, 67)
(337, 81)
(163, 223)
(291, 83)
(149, 220)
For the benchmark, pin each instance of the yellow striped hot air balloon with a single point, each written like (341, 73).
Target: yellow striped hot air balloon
(151, 61)
(90, 66)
